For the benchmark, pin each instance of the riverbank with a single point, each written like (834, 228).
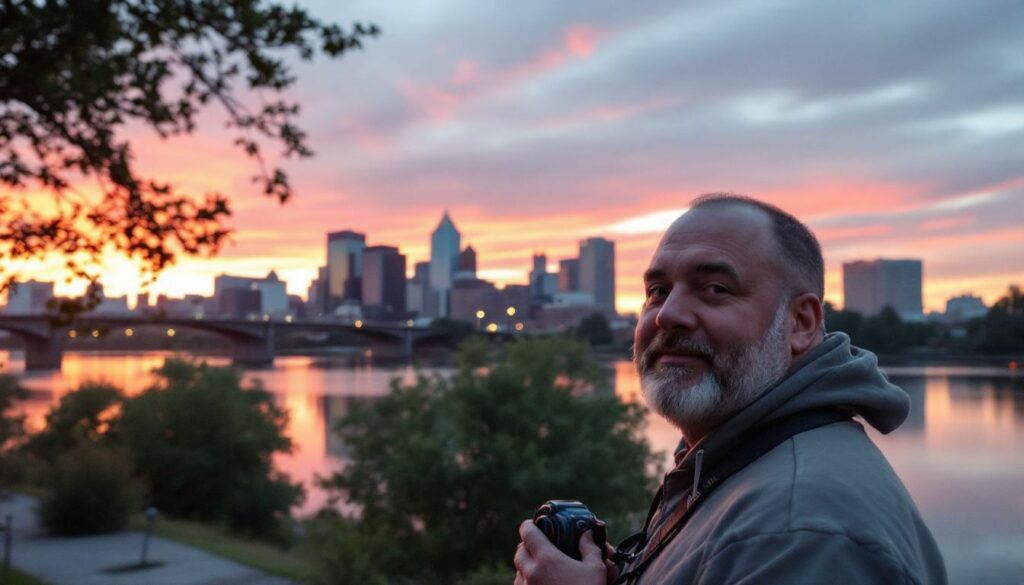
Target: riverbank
(113, 559)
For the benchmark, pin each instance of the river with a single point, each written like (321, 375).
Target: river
(961, 452)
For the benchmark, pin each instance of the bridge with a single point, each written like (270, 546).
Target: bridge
(252, 342)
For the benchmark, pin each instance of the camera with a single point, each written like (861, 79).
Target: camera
(564, 521)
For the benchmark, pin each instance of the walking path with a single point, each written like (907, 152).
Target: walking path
(83, 560)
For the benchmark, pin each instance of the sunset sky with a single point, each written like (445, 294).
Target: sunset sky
(894, 130)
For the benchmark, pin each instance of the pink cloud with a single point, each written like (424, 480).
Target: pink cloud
(581, 40)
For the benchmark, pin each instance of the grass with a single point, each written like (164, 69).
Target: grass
(257, 554)
(12, 576)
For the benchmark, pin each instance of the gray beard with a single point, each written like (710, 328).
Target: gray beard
(736, 378)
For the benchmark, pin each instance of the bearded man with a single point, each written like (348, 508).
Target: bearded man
(774, 481)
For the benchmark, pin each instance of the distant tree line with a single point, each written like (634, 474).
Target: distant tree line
(1001, 330)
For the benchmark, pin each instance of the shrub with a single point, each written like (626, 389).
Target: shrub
(12, 429)
(444, 470)
(85, 416)
(203, 443)
(90, 490)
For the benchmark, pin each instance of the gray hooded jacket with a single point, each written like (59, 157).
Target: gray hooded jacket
(823, 506)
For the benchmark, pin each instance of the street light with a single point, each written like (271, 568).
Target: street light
(511, 312)
(492, 327)
(480, 314)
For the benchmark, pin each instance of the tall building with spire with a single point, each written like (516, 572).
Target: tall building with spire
(445, 244)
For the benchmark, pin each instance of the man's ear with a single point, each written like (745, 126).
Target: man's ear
(807, 326)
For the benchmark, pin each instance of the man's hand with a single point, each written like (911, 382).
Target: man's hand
(538, 562)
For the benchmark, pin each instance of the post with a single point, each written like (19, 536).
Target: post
(8, 530)
(150, 520)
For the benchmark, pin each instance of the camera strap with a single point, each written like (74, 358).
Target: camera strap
(759, 440)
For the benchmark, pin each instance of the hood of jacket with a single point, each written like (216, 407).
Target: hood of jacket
(835, 374)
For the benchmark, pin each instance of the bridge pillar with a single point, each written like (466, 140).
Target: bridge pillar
(42, 353)
(407, 345)
(254, 351)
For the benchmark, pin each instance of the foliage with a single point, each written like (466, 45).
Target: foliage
(12, 576)
(444, 470)
(595, 330)
(90, 490)
(203, 444)
(1002, 329)
(881, 333)
(74, 75)
(258, 554)
(454, 329)
(84, 416)
(12, 427)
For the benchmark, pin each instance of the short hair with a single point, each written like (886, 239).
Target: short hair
(800, 249)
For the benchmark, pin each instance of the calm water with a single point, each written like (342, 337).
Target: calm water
(961, 453)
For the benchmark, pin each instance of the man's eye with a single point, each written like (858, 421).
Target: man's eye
(656, 291)
(716, 289)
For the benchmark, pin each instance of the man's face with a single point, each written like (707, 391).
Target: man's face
(713, 331)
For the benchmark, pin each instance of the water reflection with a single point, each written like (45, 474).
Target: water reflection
(960, 453)
(914, 386)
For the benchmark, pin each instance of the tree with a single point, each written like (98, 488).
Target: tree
(442, 471)
(594, 329)
(75, 74)
(1002, 329)
(204, 444)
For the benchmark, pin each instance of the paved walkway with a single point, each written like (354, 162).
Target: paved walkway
(82, 560)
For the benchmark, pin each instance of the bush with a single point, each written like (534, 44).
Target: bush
(204, 444)
(444, 470)
(85, 416)
(12, 429)
(90, 490)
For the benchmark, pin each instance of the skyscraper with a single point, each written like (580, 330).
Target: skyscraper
(383, 283)
(569, 275)
(467, 261)
(344, 266)
(597, 271)
(871, 285)
(444, 257)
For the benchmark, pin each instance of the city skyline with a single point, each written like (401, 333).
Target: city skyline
(501, 277)
(897, 135)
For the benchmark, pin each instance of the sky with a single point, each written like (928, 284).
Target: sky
(893, 130)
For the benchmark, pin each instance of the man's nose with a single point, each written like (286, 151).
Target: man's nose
(677, 312)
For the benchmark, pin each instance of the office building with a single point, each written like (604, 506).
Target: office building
(383, 283)
(964, 308)
(270, 292)
(569, 275)
(597, 272)
(344, 267)
(445, 244)
(467, 263)
(318, 298)
(871, 285)
(28, 298)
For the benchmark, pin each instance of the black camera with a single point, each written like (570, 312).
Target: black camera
(565, 521)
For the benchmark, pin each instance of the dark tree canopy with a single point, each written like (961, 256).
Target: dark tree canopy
(75, 74)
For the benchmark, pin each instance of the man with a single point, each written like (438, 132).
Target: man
(774, 482)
